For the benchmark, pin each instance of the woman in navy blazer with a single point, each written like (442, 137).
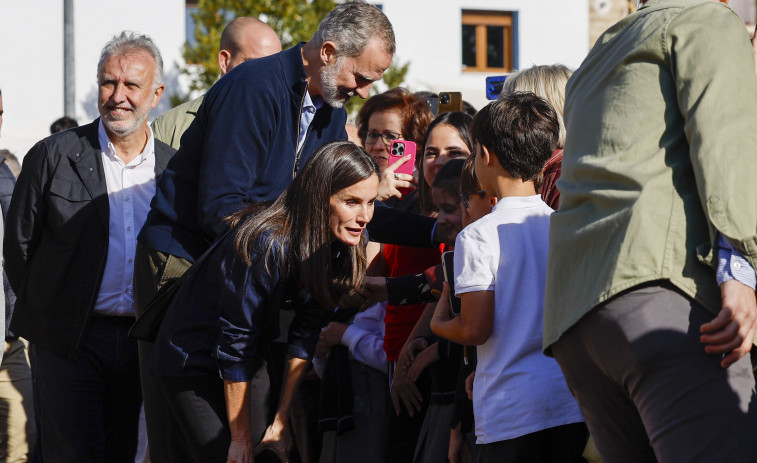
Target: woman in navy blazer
(301, 253)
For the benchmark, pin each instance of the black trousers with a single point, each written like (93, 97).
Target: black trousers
(89, 407)
(198, 405)
(561, 444)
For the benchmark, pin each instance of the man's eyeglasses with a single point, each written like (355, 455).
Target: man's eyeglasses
(386, 137)
(465, 197)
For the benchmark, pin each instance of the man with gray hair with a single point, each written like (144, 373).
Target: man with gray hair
(255, 129)
(72, 223)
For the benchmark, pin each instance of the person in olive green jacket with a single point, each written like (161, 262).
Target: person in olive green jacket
(650, 308)
(243, 39)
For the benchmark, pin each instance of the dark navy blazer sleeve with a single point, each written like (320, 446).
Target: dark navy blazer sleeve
(248, 308)
(401, 228)
(305, 328)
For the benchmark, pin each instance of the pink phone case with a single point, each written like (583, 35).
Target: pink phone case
(398, 149)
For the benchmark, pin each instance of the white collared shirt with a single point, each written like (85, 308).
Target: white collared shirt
(130, 190)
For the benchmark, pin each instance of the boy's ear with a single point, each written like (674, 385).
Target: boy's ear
(492, 201)
(488, 158)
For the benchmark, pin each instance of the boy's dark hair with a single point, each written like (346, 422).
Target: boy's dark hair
(448, 177)
(521, 130)
(469, 183)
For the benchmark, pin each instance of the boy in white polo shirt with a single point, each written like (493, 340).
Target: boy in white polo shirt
(523, 408)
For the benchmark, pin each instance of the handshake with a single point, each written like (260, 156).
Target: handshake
(373, 291)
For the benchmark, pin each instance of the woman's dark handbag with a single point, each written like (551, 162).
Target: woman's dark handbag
(148, 324)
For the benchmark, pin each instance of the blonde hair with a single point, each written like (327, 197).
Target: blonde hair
(546, 81)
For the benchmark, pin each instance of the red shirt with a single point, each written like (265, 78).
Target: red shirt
(401, 319)
(548, 189)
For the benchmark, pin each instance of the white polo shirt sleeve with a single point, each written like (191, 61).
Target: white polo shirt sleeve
(476, 261)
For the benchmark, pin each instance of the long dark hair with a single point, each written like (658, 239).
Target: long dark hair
(295, 229)
(459, 121)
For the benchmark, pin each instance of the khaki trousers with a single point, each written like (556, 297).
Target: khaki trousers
(17, 428)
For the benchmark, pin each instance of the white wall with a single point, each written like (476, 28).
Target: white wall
(428, 35)
(31, 58)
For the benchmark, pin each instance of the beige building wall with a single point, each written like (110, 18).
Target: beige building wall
(605, 13)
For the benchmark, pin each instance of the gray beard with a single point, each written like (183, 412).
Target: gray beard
(329, 90)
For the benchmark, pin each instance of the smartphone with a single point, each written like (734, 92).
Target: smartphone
(433, 103)
(400, 148)
(450, 101)
(448, 265)
(494, 86)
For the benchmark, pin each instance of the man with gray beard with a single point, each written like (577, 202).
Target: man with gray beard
(81, 198)
(256, 127)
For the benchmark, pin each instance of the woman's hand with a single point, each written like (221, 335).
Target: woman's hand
(391, 181)
(277, 440)
(332, 334)
(240, 451)
(409, 350)
(405, 391)
(422, 361)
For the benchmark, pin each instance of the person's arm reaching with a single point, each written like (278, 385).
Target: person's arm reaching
(276, 437)
(238, 411)
(402, 228)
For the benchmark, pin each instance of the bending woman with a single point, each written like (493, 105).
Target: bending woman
(306, 249)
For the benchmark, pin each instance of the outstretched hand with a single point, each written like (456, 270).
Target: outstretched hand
(373, 291)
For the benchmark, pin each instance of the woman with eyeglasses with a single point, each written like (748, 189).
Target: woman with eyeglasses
(393, 115)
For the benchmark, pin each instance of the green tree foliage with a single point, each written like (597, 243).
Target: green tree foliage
(293, 20)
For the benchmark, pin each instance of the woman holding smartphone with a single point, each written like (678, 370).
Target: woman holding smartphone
(393, 115)
(307, 248)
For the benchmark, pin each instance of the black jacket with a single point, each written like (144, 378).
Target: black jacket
(7, 183)
(56, 240)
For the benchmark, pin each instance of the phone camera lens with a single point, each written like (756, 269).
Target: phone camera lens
(444, 99)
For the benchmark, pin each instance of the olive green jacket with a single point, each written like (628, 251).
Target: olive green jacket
(171, 125)
(660, 154)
